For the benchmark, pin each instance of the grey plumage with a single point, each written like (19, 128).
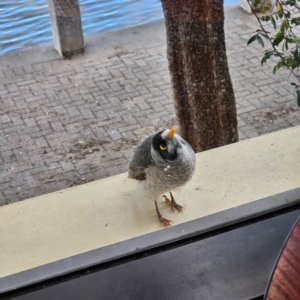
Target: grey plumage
(141, 160)
(161, 164)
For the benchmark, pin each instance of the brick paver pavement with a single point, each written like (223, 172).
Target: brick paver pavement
(68, 122)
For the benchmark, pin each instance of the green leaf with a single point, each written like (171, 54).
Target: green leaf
(256, 3)
(295, 52)
(294, 84)
(269, 4)
(288, 62)
(295, 21)
(262, 10)
(275, 69)
(295, 64)
(252, 39)
(260, 41)
(264, 35)
(290, 2)
(290, 40)
(273, 22)
(267, 55)
(298, 97)
(284, 26)
(278, 38)
(280, 14)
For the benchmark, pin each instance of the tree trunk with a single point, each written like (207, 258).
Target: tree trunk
(203, 93)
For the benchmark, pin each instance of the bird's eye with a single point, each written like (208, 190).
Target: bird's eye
(163, 148)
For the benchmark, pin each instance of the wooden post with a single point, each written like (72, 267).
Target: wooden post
(66, 26)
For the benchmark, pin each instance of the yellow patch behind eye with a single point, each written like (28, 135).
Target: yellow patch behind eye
(163, 148)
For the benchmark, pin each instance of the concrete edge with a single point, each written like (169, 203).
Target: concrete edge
(151, 240)
(92, 43)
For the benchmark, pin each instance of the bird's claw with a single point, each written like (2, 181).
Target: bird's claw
(165, 222)
(178, 207)
(173, 204)
(167, 200)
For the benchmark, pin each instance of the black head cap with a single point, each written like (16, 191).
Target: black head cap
(159, 143)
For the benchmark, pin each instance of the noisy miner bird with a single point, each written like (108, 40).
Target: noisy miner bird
(163, 163)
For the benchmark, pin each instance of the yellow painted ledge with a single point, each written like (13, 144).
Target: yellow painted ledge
(76, 220)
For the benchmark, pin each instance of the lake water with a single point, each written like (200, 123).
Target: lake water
(26, 23)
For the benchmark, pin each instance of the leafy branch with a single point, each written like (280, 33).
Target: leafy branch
(284, 17)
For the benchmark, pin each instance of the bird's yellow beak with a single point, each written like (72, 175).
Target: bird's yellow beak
(171, 133)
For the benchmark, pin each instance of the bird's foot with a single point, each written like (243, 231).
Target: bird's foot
(167, 200)
(173, 204)
(164, 222)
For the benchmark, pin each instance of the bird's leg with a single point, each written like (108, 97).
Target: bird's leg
(173, 204)
(163, 221)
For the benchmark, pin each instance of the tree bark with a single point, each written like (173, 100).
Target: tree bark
(203, 93)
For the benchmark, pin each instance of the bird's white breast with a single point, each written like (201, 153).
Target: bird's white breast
(166, 176)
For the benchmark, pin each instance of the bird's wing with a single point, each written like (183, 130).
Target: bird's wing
(141, 160)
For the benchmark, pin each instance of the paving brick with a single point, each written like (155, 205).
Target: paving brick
(41, 142)
(114, 134)
(8, 73)
(60, 110)
(157, 106)
(242, 101)
(87, 113)
(155, 91)
(39, 77)
(90, 83)
(12, 137)
(35, 98)
(67, 166)
(30, 122)
(257, 103)
(10, 196)
(73, 111)
(140, 62)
